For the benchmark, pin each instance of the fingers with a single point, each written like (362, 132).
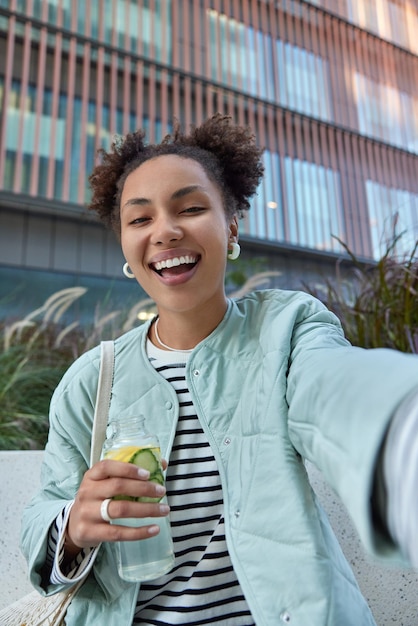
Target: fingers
(127, 533)
(123, 509)
(108, 468)
(106, 480)
(86, 527)
(111, 479)
(117, 487)
(84, 533)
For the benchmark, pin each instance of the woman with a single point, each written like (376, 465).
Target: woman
(239, 393)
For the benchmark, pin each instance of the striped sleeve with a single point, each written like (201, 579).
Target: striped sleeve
(79, 567)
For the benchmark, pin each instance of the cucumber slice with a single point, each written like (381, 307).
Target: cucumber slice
(157, 477)
(146, 459)
(149, 459)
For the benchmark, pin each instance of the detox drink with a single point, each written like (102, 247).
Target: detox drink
(149, 558)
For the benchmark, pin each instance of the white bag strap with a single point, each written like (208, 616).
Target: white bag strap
(104, 391)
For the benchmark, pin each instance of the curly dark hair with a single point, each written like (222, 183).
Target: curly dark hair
(227, 152)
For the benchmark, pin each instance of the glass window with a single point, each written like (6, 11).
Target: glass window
(272, 196)
(390, 19)
(397, 24)
(367, 14)
(51, 145)
(267, 68)
(391, 210)
(304, 81)
(145, 25)
(314, 201)
(248, 53)
(314, 205)
(386, 113)
(26, 119)
(265, 218)
(243, 58)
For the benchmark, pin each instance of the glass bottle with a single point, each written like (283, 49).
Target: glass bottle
(145, 559)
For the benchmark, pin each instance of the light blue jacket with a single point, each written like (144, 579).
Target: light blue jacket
(275, 383)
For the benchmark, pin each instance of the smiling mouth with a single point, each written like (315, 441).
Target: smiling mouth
(174, 266)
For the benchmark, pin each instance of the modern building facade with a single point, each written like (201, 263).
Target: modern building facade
(330, 88)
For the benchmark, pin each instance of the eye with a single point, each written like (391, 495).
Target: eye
(194, 209)
(139, 220)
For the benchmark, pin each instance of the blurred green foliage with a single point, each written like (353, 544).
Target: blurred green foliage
(36, 351)
(377, 303)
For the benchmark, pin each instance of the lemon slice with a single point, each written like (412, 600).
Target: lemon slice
(122, 454)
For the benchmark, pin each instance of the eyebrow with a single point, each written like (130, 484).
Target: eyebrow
(179, 193)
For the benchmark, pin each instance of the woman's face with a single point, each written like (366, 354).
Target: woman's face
(175, 234)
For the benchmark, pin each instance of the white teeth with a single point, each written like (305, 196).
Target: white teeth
(183, 260)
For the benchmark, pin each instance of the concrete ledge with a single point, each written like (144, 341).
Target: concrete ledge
(391, 593)
(20, 472)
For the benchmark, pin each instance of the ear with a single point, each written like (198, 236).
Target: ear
(233, 230)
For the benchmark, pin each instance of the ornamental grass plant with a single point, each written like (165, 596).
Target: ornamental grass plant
(36, 351)
(34, 354)
(377, 303)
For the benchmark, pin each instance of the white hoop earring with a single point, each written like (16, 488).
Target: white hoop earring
(235, 252)
(127, 271)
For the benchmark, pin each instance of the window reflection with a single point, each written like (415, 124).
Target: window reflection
(141, 27)
(391, 210)
(304, 80)
(388, 19)
(314, 205)
(302, 83)
(386, 113)
(51, 146)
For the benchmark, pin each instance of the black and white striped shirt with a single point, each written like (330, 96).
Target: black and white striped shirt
(202, 588)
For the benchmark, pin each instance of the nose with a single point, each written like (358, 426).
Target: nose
(166, 230)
